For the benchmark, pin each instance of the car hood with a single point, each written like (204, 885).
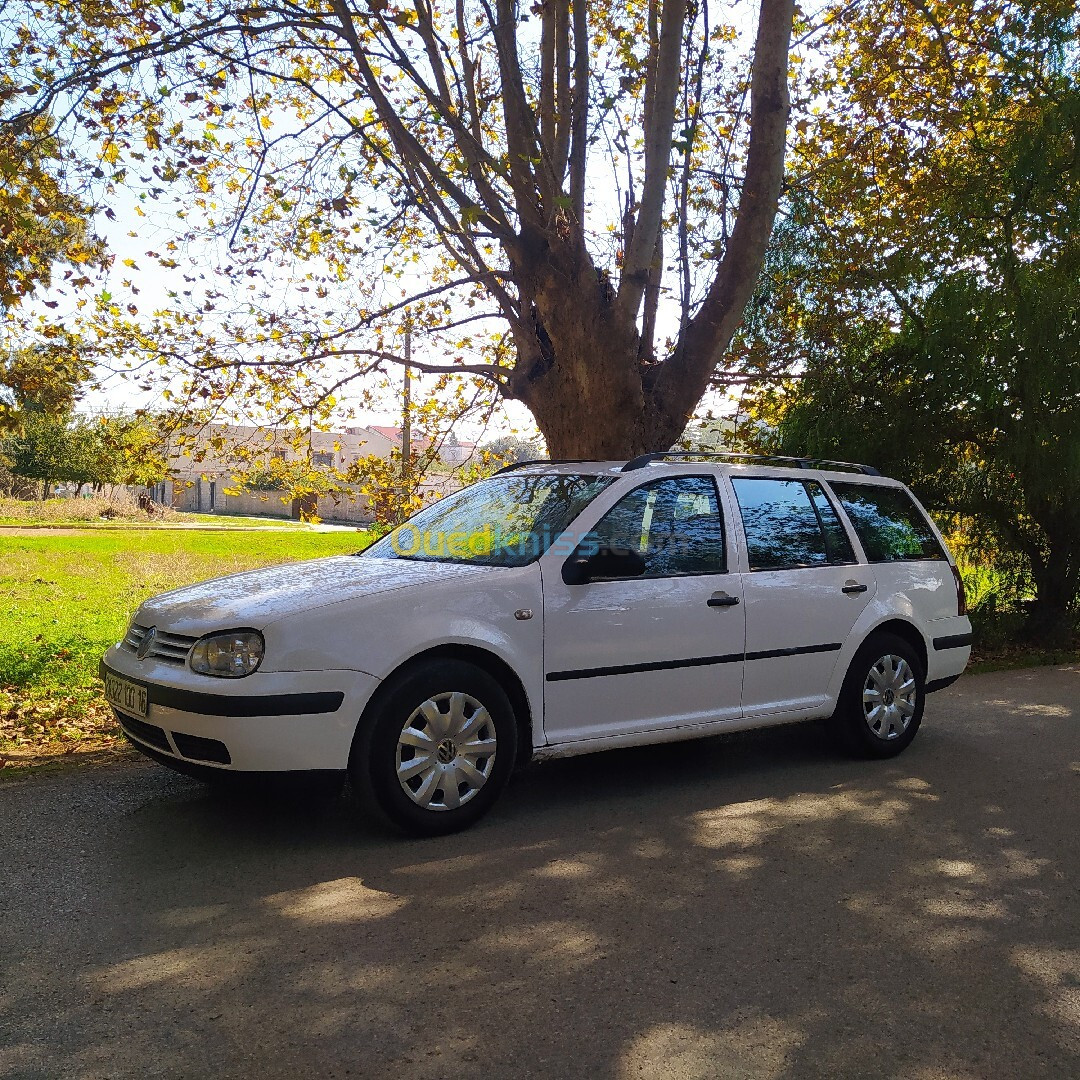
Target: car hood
(258, 597)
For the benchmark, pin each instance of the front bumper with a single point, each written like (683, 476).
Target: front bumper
(268, 722)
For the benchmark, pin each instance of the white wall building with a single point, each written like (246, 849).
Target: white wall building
(203, 470)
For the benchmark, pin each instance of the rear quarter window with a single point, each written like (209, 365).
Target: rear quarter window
(888, 522)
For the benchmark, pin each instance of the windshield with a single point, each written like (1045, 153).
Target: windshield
(505, 521)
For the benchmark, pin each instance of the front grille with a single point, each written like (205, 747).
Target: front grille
(172, 648)
(199, 749)
(147, 733)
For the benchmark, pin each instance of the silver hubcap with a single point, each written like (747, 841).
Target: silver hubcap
(889, 697)
(446, 751)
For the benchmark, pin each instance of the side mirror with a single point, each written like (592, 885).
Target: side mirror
(604, 564)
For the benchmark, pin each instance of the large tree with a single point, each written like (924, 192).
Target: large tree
(589, 175)
(46, 377)
(924, 290)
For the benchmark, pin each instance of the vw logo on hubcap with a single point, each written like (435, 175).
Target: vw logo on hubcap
(146, 644)
(447, 752)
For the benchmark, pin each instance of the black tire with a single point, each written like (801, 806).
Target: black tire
(854, 726)
(374, 761)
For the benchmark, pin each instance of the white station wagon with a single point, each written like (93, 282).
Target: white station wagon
(557, 608)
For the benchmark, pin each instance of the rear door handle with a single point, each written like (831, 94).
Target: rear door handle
(854, 587)
(721, 599)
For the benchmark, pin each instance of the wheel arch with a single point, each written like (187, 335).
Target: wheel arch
(907, 633)
(487, 661)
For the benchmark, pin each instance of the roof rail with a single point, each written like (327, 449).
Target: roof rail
(543, 461)
(642, 460)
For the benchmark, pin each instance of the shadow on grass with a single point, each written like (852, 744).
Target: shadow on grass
(68, 663)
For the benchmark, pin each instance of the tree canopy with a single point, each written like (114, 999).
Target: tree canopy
(42, 221)
(924, 290)
(45, 377)
(81, 450)
(571, 200)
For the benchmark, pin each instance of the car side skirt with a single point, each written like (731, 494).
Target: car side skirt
(676, 734)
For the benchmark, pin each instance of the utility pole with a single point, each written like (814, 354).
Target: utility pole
(406, 414)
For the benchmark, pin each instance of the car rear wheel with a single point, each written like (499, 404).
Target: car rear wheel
(881, 702)
(436, 750)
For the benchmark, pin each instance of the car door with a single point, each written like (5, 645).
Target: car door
(902, 546)
(803, 591)
(654, 651)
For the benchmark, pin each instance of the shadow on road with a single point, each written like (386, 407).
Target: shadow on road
(747, 906)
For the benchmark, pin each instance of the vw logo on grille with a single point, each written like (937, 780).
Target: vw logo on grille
(146, 644)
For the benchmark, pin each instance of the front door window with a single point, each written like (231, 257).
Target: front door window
(674, 524)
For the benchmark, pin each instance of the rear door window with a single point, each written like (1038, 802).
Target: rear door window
(789, 524)
(888, 523)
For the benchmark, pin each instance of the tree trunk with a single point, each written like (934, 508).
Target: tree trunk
(581, 378)
(1051, 620)
(594, 391)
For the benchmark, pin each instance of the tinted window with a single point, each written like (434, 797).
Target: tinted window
(891, 527)
(675, 524)
(837, 545)
(789, 523)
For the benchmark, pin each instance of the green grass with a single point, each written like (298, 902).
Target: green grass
(65, 599)
(229, 522)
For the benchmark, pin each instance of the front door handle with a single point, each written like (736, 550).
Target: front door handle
(721, 599)
(854, 587)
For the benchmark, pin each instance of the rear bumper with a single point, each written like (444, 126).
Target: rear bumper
(272, 723)
(948, 652)
(941, 684)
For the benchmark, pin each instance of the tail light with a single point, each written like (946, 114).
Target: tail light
(961, 593)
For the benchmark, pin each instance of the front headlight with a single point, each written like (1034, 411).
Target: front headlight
(229, 655)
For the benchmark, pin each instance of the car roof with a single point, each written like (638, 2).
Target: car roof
(794, 468)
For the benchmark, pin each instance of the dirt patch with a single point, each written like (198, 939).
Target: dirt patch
(23, 762)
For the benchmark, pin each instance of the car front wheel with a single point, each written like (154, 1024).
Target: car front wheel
(881, 702)
(437, 749)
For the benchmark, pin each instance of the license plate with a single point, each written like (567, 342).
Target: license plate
(125, 695)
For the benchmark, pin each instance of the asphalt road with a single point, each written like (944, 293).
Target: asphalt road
(749, 906)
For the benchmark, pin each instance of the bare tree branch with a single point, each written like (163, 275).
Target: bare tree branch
(683, 377)
(560, 151)
(521, 136)
(579, 122)
(659, 125)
